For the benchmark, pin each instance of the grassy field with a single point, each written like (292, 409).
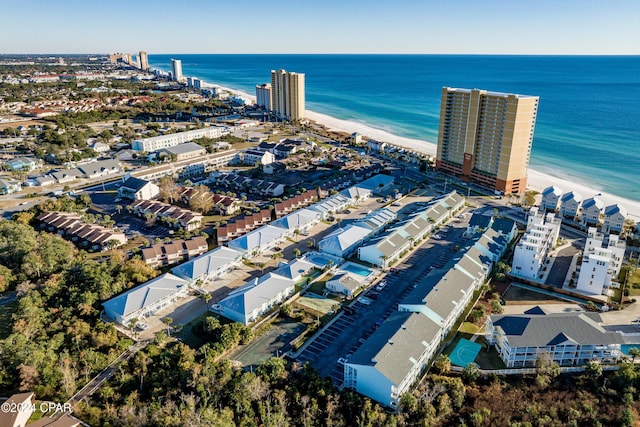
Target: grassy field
(468, 328)
(516, 295)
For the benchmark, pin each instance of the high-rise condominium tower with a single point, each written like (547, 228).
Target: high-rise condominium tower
(143, 60)
(263, 96)
(176, 70)
(486, 137)
(287, 95)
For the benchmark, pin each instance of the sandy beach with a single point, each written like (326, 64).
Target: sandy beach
(537, 180)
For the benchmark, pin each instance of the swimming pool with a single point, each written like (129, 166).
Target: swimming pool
(358, 269)
(626, 347)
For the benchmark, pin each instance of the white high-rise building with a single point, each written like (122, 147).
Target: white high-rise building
(533, 249)
(601, 262)
(287, 95)
(263, 96)
(176, 70)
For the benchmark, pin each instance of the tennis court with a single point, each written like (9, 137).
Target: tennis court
(464, 353)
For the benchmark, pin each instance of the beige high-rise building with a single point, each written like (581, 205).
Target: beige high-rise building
(143, 61)
(486, 137)
(287, 95)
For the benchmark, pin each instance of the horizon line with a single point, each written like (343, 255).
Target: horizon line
(330, 53)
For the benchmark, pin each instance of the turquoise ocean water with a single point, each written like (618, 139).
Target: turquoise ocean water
(588, 124)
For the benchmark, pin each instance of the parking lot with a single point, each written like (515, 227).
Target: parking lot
(346, 333)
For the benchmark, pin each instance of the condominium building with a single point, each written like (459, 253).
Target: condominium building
(176, 70)
(533, 249)
(486, 137)
(156, 143)
(568, 339)
(601, 262)
(287, 95)
(143, 61)
(263, 96)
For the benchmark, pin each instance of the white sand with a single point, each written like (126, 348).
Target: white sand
(537, 180)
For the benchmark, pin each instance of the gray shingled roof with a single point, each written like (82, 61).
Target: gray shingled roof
(396, 345)
(535, 330)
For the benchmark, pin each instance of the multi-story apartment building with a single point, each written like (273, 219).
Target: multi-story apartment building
(287, 95)
(568, 339)
(160, 142)
(176, 70)
(486, 137)
(143, 61)
(263, 96)
(536, 243)
(601, 262)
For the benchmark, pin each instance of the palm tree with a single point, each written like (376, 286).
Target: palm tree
(168, 321)
(297, 252)
(206, 297)
(275, 257)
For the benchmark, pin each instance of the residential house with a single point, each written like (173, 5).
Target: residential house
(591, 211)
(570, 205)
(24, 164)
(257, 157)
(9, 186)
(345, 283)
(100, 168)
(137, 189)
(550, 199)
(20, 407)
(614, 217)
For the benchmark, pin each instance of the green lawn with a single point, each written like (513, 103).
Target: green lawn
(6, 311)
(468, 328)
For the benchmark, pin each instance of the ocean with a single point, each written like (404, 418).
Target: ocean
(588, 124)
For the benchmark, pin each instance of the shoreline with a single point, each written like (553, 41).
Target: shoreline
(537, 180)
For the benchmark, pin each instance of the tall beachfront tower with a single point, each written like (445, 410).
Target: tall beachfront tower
(176, 70)
(287, 95)
(143, 60)
(263, 96)
(486, 137)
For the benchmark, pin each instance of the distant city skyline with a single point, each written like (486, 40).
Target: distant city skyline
(330, 26)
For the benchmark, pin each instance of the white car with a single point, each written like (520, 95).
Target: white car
(142, 326)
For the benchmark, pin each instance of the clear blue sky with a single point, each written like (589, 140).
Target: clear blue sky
(321, 26)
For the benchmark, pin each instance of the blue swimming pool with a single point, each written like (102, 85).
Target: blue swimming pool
(626, 347)
(356, 268)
